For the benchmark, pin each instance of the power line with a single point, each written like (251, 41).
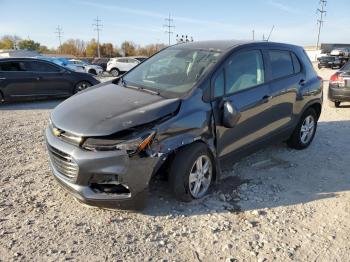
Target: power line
(169, 26)
(322, 12)
(59, 34)
(268, 38)
(98, 27)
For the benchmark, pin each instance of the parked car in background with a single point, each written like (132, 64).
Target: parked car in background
(102, 62)
(345, 52)
(213, 103)
(89, 68)
(339, 86)
(119, 65)
(330, 62)
(29, 78)
(63, 62)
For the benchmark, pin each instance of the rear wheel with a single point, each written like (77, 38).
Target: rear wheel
(82, 85)
(115, 72)
(337, 104)
(305, 130)
(192, 172)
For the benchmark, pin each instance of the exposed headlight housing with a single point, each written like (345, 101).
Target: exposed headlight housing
(131, 146)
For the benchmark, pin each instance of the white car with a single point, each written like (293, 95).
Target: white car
(118, 65)
(88, 68)
(341, 52)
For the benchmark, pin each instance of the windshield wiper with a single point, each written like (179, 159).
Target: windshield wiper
(150, 91)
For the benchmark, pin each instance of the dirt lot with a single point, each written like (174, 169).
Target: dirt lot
(278, 204)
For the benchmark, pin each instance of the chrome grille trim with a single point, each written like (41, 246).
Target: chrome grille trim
(63, 163)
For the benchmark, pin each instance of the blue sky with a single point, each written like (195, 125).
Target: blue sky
(141, 21)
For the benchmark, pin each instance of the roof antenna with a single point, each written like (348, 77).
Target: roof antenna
(273, 27)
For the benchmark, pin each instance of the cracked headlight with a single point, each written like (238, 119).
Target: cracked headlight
(131, 146)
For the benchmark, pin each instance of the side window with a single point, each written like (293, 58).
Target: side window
(281, 63)
(296, 63)
(43, 67)
(244, 70)
(219, 84)
(130, 60)
(12, 66)
(122, 60)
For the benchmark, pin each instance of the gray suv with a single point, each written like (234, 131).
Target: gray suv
(189, 110)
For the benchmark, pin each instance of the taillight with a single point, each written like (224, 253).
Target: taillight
(337, 80)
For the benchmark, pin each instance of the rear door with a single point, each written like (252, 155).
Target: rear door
(122, 64)
(16, 81)
(286, 78)
(242, 82)
(132, 63)
(51, 80)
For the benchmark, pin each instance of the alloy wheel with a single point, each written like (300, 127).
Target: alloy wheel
(307, 129)
(200, 176)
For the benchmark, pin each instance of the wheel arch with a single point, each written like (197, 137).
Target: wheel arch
(177, 150)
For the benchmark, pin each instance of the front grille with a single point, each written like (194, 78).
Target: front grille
(63, 163)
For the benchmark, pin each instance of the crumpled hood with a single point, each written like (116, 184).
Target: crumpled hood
(108, 109)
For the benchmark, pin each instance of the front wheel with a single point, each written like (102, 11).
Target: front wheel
(81, 86)
(305, 130)
(192, 172)
(337, 104)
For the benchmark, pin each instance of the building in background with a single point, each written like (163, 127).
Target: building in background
(5, 53)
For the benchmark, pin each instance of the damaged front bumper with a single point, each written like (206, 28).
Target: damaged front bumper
(107, 179)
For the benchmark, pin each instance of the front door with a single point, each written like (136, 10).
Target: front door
(51, 80)
(241, 82)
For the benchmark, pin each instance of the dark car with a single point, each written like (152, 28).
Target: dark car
(339, 86)
(330, 62)
(102, 62)
(28, 78)
(206, 106)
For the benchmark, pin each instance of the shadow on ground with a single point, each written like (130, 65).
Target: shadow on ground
(276, 176)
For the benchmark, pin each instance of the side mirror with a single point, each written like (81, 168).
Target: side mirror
(230, 115)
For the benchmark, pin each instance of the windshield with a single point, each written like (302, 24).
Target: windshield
(173, 71)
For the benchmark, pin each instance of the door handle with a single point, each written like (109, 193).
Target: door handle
(38, 78)
(266, 98)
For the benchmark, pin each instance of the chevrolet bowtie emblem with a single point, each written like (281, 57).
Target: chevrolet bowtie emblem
(56, 132)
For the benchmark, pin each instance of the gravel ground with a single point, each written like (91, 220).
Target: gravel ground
(278, 204)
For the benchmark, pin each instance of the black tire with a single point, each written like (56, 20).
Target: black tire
(115, 72)
(2, 100)
(295, 141)
(181, 167)
(337, 104)
(82, 85)
(93, 72)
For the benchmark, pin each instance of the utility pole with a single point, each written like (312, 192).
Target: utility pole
(59, 34)
(169, 27)
(98, 28)
(322, 12)
(253, 34)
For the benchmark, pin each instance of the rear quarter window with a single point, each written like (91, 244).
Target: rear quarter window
(281, 63)
(296, 63)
